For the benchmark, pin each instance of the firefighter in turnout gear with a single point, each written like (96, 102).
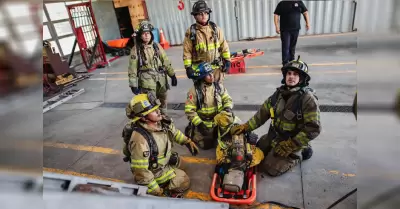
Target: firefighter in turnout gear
(149, 137)
(149, 66)
(205, 100)
(205, 42)
(295, 121)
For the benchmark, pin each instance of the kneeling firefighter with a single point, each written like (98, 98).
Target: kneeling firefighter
(204, 101)
(149, 66)
(148, 138)
(235, 153)
(295, 121)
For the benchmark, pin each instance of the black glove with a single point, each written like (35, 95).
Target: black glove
(174, 81)
(227, 66)
(135, 90)
(252, 138)
(190, 72)
(227, 109)
(202, 128)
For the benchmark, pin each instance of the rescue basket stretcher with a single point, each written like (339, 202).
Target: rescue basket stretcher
(247, 195)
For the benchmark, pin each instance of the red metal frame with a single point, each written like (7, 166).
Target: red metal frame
(251, 184)
(85, 51)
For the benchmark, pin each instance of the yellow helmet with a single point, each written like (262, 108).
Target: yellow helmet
(141, 105)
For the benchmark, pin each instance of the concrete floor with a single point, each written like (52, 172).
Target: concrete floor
(84, 135)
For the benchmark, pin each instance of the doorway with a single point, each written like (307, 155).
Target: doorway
(124, 21)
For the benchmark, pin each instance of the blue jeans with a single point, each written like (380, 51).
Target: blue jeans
(289, 41)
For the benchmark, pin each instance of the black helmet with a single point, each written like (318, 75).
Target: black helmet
(144, 27)
(200, 6)
(298, 66)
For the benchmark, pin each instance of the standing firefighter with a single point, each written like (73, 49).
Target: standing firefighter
(295, 121)
(205, 42)
(148, 141)
(205, 100)
(149, 66)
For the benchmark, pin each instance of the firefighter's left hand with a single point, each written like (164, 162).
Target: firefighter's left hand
(192, 147)
(227, 65)
(285, 148)
(174, 81)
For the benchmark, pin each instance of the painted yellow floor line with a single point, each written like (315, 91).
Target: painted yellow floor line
(187, 159)
(255, 67)
(240, 74)
(105, 150)
(275, 38)
(312, 64)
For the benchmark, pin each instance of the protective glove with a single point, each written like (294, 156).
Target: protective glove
(192, 147)
(227, 66)
(223, 119)
(285, 148)
(190, 72)
(135, 90)
(238, 129)
(159, 192)
(174, 81)
(202, 128)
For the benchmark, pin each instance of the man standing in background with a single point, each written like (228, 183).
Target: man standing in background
(288, 15)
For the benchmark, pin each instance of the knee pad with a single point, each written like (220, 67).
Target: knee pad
(306, 153)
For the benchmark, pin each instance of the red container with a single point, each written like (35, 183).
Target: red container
(238, 66)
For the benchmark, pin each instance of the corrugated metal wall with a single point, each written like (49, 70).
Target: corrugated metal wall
(377, 16)
(242, 19)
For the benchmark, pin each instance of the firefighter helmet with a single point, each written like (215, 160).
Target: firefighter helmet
(141, 105)
(200, 6)
(203, 70)
(299, 66)
(145, 26)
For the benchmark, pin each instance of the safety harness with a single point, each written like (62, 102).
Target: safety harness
(295, 108)
(200, 97)
(157, 54)
(153, 158)
(193, 38)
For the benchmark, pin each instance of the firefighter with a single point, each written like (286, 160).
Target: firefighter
(295, 121)
(204, 101)
(149, 66)
(205, 42)
(148, 141)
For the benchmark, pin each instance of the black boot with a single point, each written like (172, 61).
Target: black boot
(307, 153)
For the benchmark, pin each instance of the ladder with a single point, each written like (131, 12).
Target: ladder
(61, 98)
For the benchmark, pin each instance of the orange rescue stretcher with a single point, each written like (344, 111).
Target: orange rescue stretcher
(237, 60)
(247, 195)
(118, 47)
